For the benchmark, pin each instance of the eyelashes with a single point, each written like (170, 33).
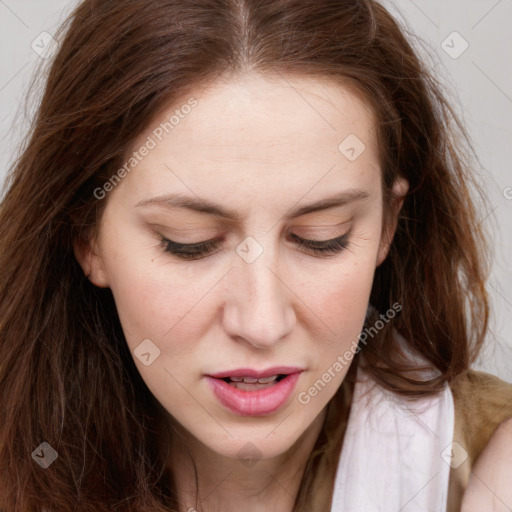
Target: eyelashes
(189, 251)
(323, 247)
(202, 249)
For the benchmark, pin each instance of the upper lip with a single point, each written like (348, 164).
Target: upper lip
(249, 372)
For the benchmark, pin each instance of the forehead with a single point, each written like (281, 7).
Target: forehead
(252, 110)
(260, 129)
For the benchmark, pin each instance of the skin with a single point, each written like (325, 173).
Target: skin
(489, 486)
(261, 146)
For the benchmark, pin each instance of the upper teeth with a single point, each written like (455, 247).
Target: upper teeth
(253, 380)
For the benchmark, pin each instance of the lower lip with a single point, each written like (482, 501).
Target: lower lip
(254, 403)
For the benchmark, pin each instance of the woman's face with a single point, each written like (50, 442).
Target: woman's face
(254, 166)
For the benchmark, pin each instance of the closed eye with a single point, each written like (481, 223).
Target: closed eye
(323, 247)
(199, 250)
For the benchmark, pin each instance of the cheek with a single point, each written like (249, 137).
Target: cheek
(341, 305)
(158, 299)
(347, 291)
(340, 295)
(343, 311)
(151, 305)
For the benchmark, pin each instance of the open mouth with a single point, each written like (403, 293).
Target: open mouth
(254, 396)
(253, 383)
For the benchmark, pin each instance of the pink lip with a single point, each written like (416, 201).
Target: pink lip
(249, 372)
(254, 403)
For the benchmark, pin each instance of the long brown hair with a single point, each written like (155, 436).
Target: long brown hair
(66, 375)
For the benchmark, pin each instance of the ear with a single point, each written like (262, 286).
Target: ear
(88, 255)
(399, 189)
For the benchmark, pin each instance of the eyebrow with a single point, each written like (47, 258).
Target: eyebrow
(203, 206)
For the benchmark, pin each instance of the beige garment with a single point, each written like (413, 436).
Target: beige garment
(482, 402)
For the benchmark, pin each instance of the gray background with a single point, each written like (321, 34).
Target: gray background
(479, 80)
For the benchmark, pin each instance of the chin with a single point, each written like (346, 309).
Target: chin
(249, 450)
(251, 443)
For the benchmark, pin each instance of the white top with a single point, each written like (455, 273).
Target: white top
(395, 455)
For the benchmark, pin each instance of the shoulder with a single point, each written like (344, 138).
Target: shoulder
(489, 484)
(482, 404)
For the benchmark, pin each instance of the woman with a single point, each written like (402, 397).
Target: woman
(242, 266)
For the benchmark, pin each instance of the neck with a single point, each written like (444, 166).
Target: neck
(208, 481)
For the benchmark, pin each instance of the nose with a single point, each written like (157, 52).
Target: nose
(259, 306)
